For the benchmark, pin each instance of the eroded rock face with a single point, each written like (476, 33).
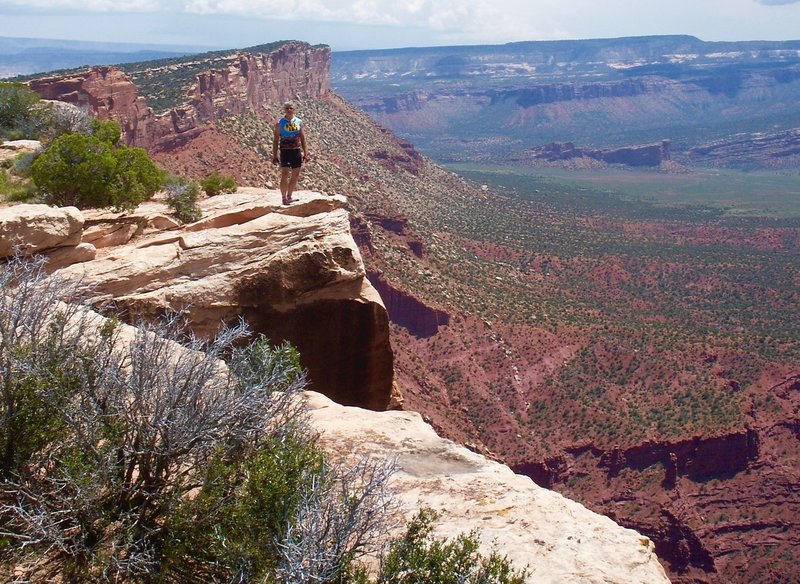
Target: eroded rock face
(638, 155)
(294, 273)
(248, 82)
(560, 541)
(33, 228)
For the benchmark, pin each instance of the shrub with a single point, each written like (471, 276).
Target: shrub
(75, 170)
(182, 198)
(89, 171)
(14, 190)
(103, 441)
(16, 101)
(215, 184)
(136, 177)
(57, 118)
(419, 558)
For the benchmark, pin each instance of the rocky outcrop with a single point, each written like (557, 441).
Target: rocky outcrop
(12, 148)
(29, 229)
(558, 540)
(698, 458)
(109, 93)
(681, 536)
(251, 82)
(778, 150)
(243, 82)
(638, 155)
(565, 92)
(293, 273)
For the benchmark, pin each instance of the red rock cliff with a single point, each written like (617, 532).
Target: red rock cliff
(248, 82)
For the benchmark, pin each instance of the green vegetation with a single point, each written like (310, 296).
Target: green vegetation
(140, 457)
(23, 115)
(651, 286)
(419, 558)
(13, 189)
(182, 198)
(93, 171)
(17, 115)
(215, 184)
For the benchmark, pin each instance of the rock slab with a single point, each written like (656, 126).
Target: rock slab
(560, 541)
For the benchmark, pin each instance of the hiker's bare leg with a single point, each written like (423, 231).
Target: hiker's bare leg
(285, 184)
(295, 176)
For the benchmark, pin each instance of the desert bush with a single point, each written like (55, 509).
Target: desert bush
(12, 189)
(58, 118)
(103, 440)
(90, 171)
(136, 177)
(182, 199)
(16, 101)
(215, 184)
(34, 351)
(418, 557)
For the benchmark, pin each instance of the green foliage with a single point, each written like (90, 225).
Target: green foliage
(141, 459)
(88, 171)
(182, 198)
(215, 184)
(258, 361)
(16, 103)
(107, 131)
(231, 530)
(420, 558)
(136, 177)
(76, 170)
(14, 190)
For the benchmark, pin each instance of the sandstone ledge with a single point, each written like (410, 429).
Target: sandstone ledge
(559, 540)
(292, 272)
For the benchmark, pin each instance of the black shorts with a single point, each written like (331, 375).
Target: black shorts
(292, 158)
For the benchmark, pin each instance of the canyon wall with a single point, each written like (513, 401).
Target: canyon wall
(247, 82)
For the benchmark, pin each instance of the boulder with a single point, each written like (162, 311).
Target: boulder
(33, 228)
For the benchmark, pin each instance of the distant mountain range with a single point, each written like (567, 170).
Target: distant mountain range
(466, 103)
(25, 56)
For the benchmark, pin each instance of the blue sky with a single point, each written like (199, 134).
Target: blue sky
(370, 24)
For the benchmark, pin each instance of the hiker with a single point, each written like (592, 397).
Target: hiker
(289, 136)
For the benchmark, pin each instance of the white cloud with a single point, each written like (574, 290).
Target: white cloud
(479, 21)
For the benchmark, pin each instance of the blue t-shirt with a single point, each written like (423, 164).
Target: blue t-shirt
(290, 133)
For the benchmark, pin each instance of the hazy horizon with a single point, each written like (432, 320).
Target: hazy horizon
(382, 24)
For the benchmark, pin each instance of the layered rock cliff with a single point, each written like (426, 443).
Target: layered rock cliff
(639, 155)
(242, 82)
(459, 103)
(293, 274)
